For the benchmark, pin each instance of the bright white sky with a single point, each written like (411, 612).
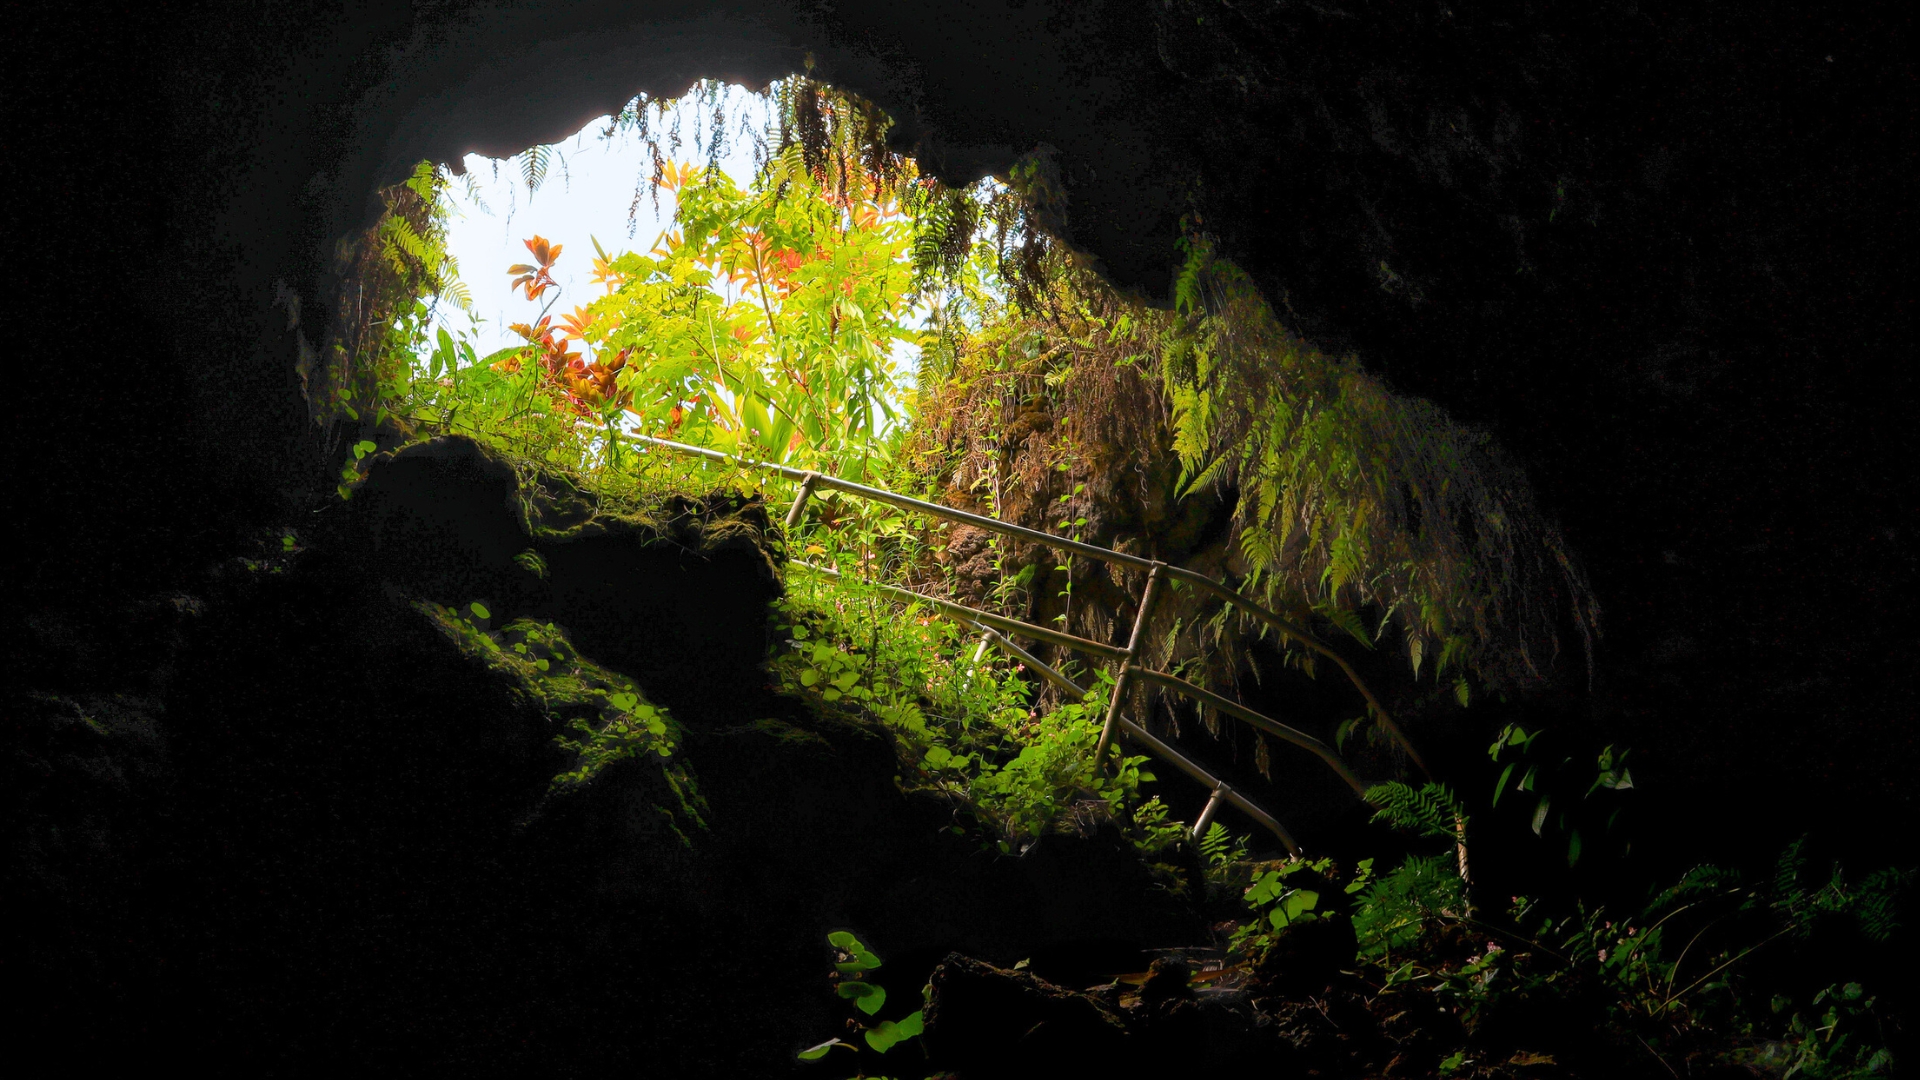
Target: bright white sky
(586, 198)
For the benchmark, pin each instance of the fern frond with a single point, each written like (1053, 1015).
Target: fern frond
(1430, 809)
(472, 189)
(533, 167)
(1877, 903)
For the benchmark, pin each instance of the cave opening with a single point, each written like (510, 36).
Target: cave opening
(960, 276)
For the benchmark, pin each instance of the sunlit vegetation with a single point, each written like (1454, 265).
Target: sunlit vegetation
(839, 312)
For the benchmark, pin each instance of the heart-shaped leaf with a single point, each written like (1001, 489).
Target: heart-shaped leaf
(883, 1036)
(865, 996)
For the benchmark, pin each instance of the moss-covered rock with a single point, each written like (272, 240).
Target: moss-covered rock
(480, 775)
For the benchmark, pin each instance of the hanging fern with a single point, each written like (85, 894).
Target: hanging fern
(1353, 497)
(533, 167)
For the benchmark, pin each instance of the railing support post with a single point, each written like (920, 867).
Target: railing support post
(1134, 642)
(800, 500)
(1206, 815)
(979, 651)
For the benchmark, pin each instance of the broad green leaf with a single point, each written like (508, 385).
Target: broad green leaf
(1299, 902)
(840, 939)
(479, 610)
(865, 996)
(815, 1053)
(883, 1036)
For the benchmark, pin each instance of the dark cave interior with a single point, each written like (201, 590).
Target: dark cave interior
(1662, 251)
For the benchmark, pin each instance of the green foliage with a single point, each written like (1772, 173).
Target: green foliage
(1219, 848)
(395, 277)
(854, 982)
(1667, 972)
(763, 325)
(602, 716)
(1837, 1034)
(1353, 498)
(1429, 810)
(1278, 902)
(1398, 911)
(1562, 784)
(970, 727)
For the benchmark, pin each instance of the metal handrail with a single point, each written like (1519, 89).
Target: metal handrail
(904, 502)
(1174, 757)
(1041, 633)
(810, 480)
(1157, 572)
(986, 622)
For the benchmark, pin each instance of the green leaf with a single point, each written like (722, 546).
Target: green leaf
(938, 756)
(815, 1053)
(479, 610)
(865, 996)
(840, 939)
(1540, 814)
(363, 448)
(624, 701)
(862, 960)
(883, 1036)
(809, 677)
(914, 1023)
(1502, 785)
(1299, 903)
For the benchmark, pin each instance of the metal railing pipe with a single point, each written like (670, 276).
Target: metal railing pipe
(1134, 641)
(1002, 622)
(1253, 719)
(1142, 735)
(904, 502)
(1206, 813)
(1216, 588)
(800, 501)
(1046, 671)
(1312, 643)
(1160, 749)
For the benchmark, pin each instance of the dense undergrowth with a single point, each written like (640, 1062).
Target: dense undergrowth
(766, 325)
